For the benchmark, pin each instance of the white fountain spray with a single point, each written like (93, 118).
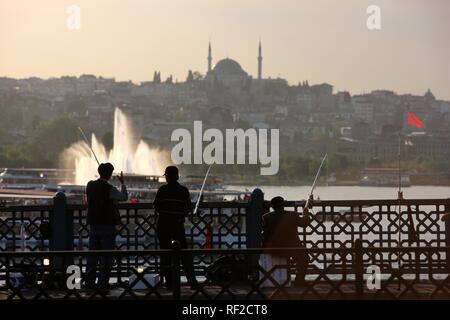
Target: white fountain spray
(125, 155)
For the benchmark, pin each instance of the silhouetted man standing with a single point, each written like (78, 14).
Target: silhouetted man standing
(280, 231)
(173, 203)
(102, 218)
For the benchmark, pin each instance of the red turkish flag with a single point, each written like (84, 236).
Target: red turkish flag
(414, 120)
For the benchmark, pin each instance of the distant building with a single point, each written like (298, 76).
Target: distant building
(229, 73)
(363, 108)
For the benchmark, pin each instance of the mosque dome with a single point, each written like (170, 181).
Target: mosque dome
(429, 95)
(228, 67)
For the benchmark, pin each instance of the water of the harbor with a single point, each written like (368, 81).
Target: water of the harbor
(349, 193)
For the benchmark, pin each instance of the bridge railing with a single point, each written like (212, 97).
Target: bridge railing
(234, 225)
(20, 227)
(387, 223)
(63, 273)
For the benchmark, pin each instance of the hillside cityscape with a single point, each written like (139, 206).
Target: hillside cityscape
(357, 130)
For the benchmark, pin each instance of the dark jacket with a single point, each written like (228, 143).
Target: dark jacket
(280, 229)
(172, 203)
(101, 208)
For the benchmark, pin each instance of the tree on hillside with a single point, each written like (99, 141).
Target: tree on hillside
(50, 140)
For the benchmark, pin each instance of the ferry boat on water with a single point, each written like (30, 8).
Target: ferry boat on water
(35, 178)
(31, 185)
(384, 177)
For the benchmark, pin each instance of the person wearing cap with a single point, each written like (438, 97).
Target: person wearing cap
(102, 218)
(280, 230)
(172, 203)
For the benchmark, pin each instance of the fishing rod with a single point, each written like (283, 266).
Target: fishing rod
(201, 190)
(399, 198)
(314, 183)
(412, 234)
(89, 145)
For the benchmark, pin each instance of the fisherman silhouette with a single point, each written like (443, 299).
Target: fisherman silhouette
(172, 203)
(280, 231)
(102, 217)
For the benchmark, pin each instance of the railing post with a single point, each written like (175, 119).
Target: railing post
(254, 219)
(61, 224)
(447, 237)
(176, 261)
(61, 234)
(253, 223)
(358, 265)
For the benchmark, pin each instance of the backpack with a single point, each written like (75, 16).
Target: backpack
(226, 269)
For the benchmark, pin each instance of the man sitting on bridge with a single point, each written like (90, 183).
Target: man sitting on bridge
(280, 230)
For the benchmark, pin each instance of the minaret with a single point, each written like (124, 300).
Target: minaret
(260, 61)
(209, 57)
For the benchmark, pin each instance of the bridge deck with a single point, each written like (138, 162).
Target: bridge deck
(330, 291)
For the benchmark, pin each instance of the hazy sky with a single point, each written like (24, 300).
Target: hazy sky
(314, 40)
